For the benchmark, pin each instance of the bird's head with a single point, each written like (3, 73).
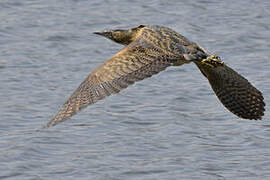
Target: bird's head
(121, 36)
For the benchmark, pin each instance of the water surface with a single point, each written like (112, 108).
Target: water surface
(168, 127)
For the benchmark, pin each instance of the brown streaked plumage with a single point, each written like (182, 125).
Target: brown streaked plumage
(149, 50)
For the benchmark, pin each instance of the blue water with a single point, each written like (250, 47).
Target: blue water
(168, 127)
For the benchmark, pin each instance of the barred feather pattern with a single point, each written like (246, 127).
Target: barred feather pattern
(150, 50)
(235, 92)
(118, 73)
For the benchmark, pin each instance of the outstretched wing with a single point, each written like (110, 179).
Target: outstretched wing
(133, 63)
(234, 91)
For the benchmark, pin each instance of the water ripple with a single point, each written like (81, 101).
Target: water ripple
(170, 126)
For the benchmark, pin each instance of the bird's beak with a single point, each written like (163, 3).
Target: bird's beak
(99, 33)
(107, 34)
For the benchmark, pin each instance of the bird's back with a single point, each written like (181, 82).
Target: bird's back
(165, 39)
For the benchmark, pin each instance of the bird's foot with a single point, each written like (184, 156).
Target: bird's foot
(213, 61)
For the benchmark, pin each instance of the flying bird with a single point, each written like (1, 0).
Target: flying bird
(149, 50)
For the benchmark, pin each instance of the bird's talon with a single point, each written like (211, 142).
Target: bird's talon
(212, 61)
(206, 62)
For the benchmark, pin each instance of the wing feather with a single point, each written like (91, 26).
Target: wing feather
(234, 91)
(131, 64)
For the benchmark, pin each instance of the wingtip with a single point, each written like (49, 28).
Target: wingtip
(50, 124)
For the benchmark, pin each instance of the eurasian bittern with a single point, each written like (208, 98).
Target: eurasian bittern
(151, 49)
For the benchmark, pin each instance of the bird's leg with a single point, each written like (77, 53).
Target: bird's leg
(212, 61)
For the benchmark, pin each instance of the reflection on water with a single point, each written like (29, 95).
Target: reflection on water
(170, 126)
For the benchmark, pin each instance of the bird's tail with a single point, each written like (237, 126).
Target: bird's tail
(233, 90)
